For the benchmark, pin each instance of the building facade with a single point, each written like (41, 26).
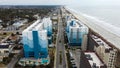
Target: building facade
(107, 53)
(91, 60)
(48, 26)
(36, 39)
(5, 50)
(75, 32)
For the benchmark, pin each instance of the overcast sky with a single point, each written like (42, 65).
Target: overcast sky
(60, 2)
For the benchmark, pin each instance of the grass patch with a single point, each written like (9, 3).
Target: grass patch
(2, 65)
(5, 34)
(6, 60)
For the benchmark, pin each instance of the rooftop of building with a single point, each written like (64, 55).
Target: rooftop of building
(38, 25)
(101, 42)
(76, 23)
(93, 59)
(4, 45)
(32, 26)
(46, 19)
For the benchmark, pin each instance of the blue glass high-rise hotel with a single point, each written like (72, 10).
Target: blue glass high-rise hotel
(76, 32)
(35, 40)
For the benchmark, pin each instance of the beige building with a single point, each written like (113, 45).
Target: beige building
(94, 60)
(84, 43)
(117, 64)
(107, 53)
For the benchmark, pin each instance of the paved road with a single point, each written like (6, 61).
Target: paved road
(20, 31)
(60, 48)
(14, 60)
(76, 55)
(5, 39)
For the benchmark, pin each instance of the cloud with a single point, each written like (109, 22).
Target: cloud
(3, 1)
(37, 2)
(60, 2)
(26, 2)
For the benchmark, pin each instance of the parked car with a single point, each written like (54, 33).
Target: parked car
(74, 66)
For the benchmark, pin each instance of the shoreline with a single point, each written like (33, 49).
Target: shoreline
(110, 37)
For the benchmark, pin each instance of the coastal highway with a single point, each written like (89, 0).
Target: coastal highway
(60, 56)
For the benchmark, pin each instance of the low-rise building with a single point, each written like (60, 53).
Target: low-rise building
(54, 17)
(5, 50)
(91, 60)
(107, 53)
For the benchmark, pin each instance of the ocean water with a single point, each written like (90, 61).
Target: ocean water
(106, 16)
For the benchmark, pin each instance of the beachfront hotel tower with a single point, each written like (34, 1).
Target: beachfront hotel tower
(35, 41)
(76, 32)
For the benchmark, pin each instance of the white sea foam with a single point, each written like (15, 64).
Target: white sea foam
(103, 24)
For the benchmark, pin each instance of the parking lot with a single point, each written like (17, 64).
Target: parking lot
(75, 58)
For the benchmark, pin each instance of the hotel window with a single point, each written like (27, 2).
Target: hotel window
(31, 54)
